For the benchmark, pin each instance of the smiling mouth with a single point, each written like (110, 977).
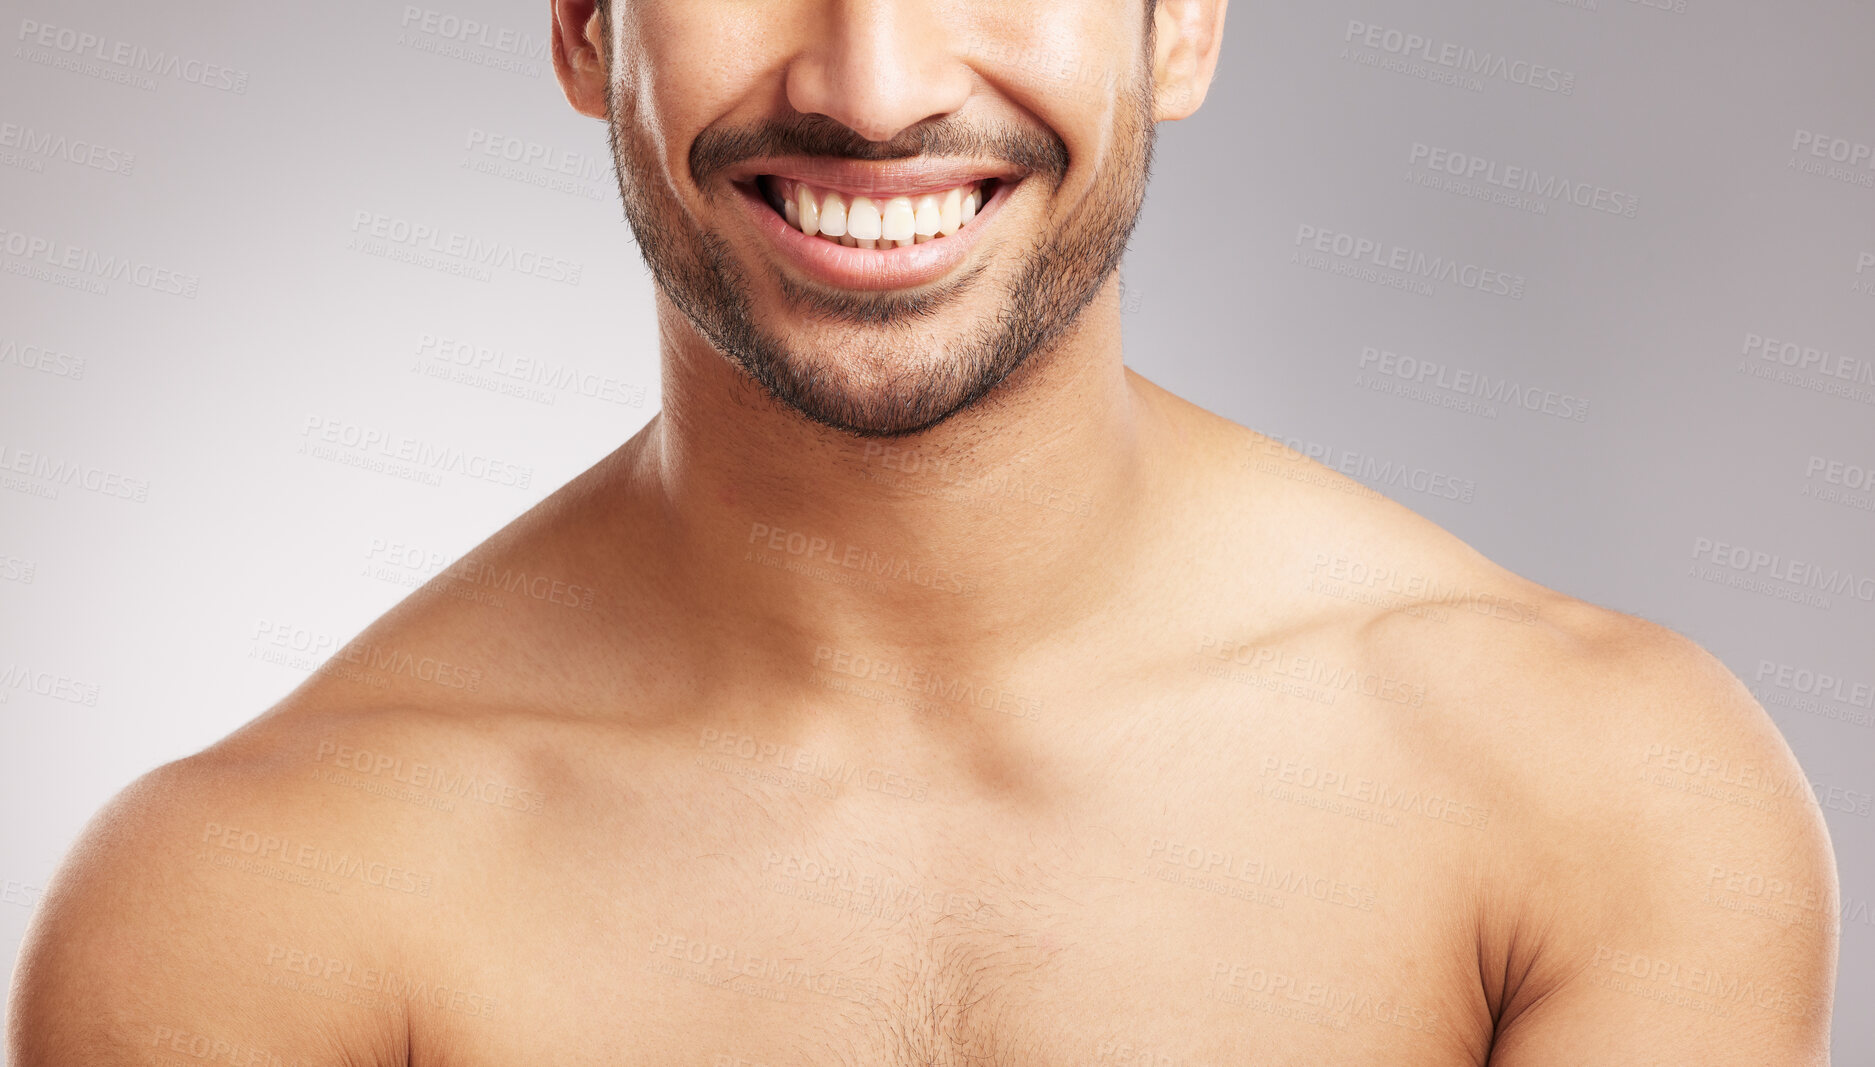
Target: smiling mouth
(875, 222)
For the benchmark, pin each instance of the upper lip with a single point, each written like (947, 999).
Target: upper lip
(885, 178)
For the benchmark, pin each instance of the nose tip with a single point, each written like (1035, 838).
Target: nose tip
(879, 68)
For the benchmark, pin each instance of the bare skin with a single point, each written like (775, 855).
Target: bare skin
(1083, 728)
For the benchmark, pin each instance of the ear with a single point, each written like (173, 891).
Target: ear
(580, 49)
(1186, 37)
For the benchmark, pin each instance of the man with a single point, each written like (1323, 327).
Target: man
(921, 686)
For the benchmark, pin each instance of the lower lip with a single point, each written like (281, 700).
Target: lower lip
(871, 268)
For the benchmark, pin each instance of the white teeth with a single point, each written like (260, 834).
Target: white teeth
(833, 215)
(899, 219)
(878, 223)
(929, 216)
(862, 219)
(809, 212)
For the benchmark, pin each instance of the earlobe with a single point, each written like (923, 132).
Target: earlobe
(579, 54)
(1187, 35)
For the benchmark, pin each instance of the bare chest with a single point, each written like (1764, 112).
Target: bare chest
(775, 913)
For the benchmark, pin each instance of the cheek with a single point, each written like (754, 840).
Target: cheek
(691, 62)
(1068, 63)
(1057, 49)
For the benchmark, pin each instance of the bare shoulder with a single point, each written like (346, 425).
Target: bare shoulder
(1621, 739)
(1656, 863)
(1667, 867)
(295, 892)
(244, 904)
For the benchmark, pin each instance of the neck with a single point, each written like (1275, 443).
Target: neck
(799, 542)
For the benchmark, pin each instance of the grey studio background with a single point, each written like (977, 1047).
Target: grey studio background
(1606, 312)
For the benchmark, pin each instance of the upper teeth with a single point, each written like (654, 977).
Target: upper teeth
(866, 222)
